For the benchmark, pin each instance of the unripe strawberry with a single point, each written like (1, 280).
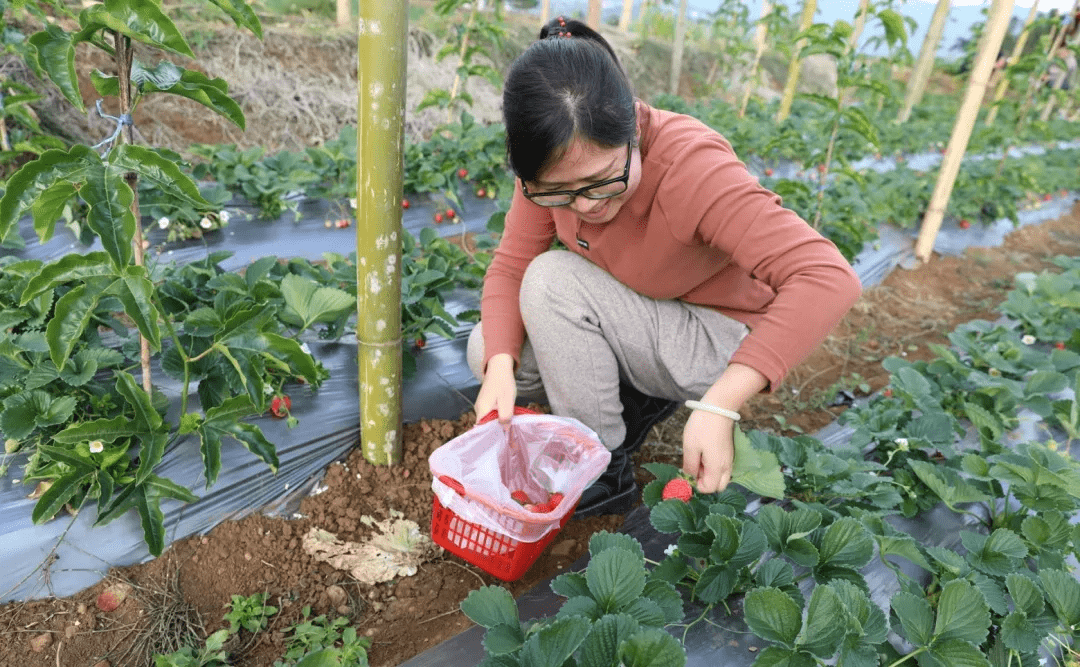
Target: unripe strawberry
(480, 193)
(678, 488)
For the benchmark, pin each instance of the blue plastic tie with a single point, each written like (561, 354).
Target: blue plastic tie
(121, 121)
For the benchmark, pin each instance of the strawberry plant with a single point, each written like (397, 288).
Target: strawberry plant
(267, 182)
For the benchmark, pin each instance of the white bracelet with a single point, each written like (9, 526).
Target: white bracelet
(723, 412)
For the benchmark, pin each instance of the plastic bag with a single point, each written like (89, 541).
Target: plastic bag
(538, 454)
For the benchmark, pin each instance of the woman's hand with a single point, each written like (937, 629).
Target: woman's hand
(498, 391)
(709, 450)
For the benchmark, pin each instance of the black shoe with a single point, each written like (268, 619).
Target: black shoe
(640, 413)
(614, 492)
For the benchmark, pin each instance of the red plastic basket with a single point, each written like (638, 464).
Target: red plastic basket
(501, 556)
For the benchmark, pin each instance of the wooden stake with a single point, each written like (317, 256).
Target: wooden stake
(626, 16)
(545, 11)
(795, 66)
(1058, 36)
(461, 60)
(344, 13)
(924, 66)
(593, 20)
(860, 24)
(380, 139)
(993, 34)
(759, 49)
(677, 50)
(1018, 48)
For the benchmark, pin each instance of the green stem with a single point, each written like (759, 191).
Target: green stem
(921, 649)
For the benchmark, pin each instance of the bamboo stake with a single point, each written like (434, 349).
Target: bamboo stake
(759, 43)
(380, 142)
(545, 11)
(677, 51)
(593, 20)
(643, 15)
(795, 66)
(924, 66)
(860, 24)
(344, 13)
(626, 16)
(1018, 48)
(996, 25)
(1058, 36)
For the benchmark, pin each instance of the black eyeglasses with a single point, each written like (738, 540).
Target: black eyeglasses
(602, 190)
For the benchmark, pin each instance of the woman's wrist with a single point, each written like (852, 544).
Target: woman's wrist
(714, 409)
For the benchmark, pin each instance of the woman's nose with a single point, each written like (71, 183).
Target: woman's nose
(584, 205)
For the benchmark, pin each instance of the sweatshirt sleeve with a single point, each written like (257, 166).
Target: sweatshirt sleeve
(528, 231)
(724, 206)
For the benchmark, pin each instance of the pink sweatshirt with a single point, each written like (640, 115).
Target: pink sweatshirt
(699, 228)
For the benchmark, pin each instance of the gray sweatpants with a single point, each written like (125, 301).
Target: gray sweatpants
(585, 331)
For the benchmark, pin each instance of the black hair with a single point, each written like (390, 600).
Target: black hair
(568, 84)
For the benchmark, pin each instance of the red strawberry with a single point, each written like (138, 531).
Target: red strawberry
(481, 193)
(342, 223)
(678, 488)
(887, 392)
(438, 218)
(821, 168)
(769, 171)
(964, 224)
(543, 508)
(421, 342)
(520, 497)
(1048, 197)
(280, 406)
(462, 173)
(112, 597)
(1060, 345)
(449, 214)
(404, 203)
(555, 499)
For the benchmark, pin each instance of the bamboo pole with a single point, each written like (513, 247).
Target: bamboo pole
(795, 66)
(1057, 85)
(760, 34)
(860, 24)
(1018, 48)
(1058, 36)
(643, 15)
(924, 66)
(380, 142)
(626, 16)
(996, 25)
(593, 20)
(545, 11)
(344, 13)
(461, 59)
(677, 50)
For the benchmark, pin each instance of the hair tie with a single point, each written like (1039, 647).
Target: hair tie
(562, 21)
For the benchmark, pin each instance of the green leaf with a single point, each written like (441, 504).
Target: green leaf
(56, 57)
(291, 351)
(150, 452)
(163, 173)
(825, 623)
(895, 30)
(242, 15)
(715, 584)
(553, 644)
(652, 647)
(582, 605)
(165, 487)
(672, 516)
(1025, 594)
(774, 656)
(152, 520)
(490, 606)
(35, 177)
(916, 617)
(67, 456)
(141, 20)
(50, 205)
(136, 292)
(604, 639)
(503, 639)
(105, 430)
(1020, 634)
(73, 267)
(757, 471)
(646, 612)
(604, 540)
(145, 416)
(954, 653)
(667, 598)
(70, 319)
(110, 217)
(846, 543)
(568, 585)
(947, 484)
(772, 615)
(961, 614)
(57, 495)
(306, 303)
(616, 578)
(1063, 592)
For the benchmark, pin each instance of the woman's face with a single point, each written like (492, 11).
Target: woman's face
(584, 164)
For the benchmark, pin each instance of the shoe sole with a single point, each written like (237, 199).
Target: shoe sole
(619, 503)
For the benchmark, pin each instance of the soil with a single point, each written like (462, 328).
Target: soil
(183, 593)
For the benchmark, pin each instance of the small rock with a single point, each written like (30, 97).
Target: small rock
(102, 663)
(41, 642)
(70, 631)
(336, 595)
(563, 548)
(344, 610)
(80, 609)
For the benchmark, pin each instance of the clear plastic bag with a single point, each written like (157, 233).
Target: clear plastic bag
(474, 474)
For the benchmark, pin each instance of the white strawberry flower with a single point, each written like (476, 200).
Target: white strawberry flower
(205, 223)
(1028, 340)
(224, 217)
(901, 444)
(352, 202)
(96, 446)
(670, 549)
(163, 222)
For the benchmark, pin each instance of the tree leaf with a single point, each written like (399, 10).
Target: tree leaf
(163, 486)
(35, 177)
(163, 173)
(242, 15)
(151, 450)
(145, 416)
(141, 20)
(58, 495)
(616, 578)
(773, 616)
(55, 52)
(73, 267)
(109, 199)
(70, 319)
(136, 292)
(151, 518)
(105, 430)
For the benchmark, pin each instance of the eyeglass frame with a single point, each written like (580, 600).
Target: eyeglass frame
(581, 192)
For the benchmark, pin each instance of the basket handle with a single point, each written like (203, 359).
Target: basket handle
(518, 410)
(453, 484)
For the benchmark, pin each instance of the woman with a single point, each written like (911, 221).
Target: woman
(683, 279)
